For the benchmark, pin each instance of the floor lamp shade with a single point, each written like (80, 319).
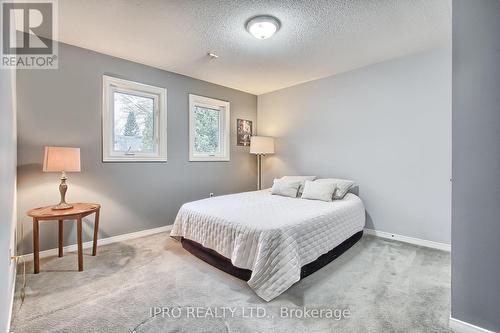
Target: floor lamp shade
(62, 159)
(260, 146)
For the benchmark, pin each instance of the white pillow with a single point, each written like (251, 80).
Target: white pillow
(301, 178)
(285, 187)
(319, 190)
(343, 186)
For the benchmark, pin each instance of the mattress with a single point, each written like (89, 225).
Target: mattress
(271, 235)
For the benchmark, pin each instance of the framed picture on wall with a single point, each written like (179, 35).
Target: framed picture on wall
(244, 132)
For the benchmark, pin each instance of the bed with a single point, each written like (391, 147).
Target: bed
(268, 240)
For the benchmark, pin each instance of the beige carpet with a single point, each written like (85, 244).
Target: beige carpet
(381, 285)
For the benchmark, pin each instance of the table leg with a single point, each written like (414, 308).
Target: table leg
(96, 231)
(36, 249)
(61, 237)
(79, 241)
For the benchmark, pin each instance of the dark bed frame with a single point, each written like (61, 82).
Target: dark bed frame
(224, 264)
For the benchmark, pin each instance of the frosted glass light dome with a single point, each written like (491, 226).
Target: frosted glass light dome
(263, 27)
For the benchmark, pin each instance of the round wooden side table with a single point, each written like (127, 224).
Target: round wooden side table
(78, 212)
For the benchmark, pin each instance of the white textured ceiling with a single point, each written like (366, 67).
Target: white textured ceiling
(316, 39)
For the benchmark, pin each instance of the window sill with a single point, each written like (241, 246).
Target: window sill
(135, 159)
(208, 159)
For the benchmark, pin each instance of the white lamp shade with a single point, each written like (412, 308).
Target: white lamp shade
(261, 145)
(61, 159)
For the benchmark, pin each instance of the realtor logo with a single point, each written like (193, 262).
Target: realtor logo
(29, 29)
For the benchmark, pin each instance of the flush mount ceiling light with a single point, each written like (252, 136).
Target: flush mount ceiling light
(263, 26)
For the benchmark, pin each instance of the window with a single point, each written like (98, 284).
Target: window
(208, 129)
(134, 121)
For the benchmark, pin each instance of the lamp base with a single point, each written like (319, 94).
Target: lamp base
(62, 190)
(62, 205)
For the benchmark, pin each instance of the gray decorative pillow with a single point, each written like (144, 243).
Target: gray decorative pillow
(319, 190)
(343, 186)
(286, 188)
(301, 178)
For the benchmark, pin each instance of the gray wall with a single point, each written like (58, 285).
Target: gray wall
(386, 126)
(476, 163)
(63, 107)
(7, 191)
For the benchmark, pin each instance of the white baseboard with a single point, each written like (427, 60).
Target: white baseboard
(464, 327)
(102, 241)
(147, 232)
(411, 240)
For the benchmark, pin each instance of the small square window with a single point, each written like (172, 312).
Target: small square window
(208, 129)
(134, 121)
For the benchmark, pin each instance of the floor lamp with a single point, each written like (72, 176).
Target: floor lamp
(260, 146)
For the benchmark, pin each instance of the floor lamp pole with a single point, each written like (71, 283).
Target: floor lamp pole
(259, 171)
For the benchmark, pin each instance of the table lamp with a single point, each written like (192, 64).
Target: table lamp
(261, 146)
(62, 159)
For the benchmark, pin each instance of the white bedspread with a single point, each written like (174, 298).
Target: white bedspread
(271, 235)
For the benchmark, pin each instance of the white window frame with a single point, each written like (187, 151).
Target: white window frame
(224, 107)
(112, 84)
